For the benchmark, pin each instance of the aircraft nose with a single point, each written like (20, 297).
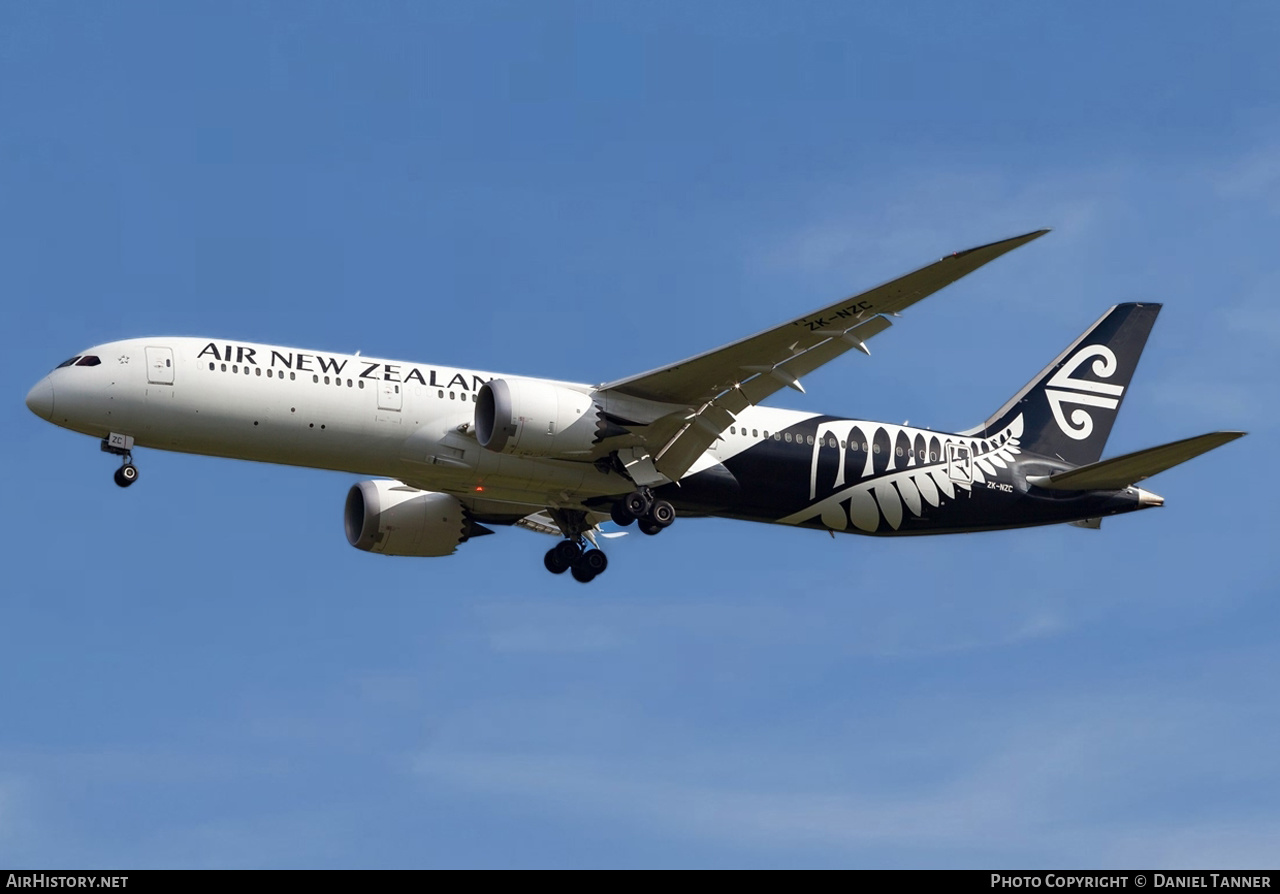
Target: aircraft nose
(40, 399)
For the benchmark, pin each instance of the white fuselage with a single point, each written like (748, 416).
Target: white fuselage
(324, 410)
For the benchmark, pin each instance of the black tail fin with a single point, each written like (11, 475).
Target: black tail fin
(1067, 411)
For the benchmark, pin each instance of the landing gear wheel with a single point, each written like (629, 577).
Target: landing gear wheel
(593, 561)
(126, 474)
(553, 563)
(588, 565)
(637, 503)
(621, 515)
(567, 552)
(662, 514)
(650, 527)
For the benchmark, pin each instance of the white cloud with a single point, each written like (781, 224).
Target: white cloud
(1255, 177)
(1063, 783)
(883, 628)
(543, 638)
(942, 209)
(1208, 402)
(301, 838)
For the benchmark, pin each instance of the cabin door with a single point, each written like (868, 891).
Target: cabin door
(960, 462)
(389, 396)
(160, 366)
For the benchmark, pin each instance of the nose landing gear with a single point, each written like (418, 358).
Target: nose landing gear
(127, 473)
(121, 446)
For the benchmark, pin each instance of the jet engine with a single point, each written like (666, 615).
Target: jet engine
(530, 417)
(394, 519)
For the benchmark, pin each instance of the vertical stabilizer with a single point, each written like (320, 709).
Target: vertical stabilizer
(1068, 409)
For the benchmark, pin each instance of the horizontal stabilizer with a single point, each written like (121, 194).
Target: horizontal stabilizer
(1119, 473)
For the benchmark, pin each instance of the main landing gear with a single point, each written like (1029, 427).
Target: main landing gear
(652, 514)
(569, 555)
(578, 554)
(121, 446)
(575, 553)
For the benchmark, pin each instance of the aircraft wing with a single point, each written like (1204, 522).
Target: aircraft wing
(715, 386)
(541, 523)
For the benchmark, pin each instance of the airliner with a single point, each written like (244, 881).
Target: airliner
(450, 454)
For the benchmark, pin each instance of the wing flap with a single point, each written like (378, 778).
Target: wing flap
(702, 427)
(541, 522)
(1123, 471)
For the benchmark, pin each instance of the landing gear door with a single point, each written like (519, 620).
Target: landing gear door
(959, 463)
(389, 396)
(160, 366)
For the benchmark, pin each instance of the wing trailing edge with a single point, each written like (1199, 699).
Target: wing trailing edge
(712, 388)
(1123, 471)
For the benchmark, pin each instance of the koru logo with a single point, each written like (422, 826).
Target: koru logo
(1083, 392)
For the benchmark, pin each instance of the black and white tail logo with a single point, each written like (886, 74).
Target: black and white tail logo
(1064, 388)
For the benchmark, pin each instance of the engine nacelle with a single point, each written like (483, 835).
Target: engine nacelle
(397, 520)
(529, 417)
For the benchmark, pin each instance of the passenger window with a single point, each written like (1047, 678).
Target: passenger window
(257, 371)
(362, 383)
(210, 366)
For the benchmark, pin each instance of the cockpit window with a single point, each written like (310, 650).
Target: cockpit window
(88, 360)
(67, 362)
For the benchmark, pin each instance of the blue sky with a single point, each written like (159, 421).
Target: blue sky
(200, 672)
